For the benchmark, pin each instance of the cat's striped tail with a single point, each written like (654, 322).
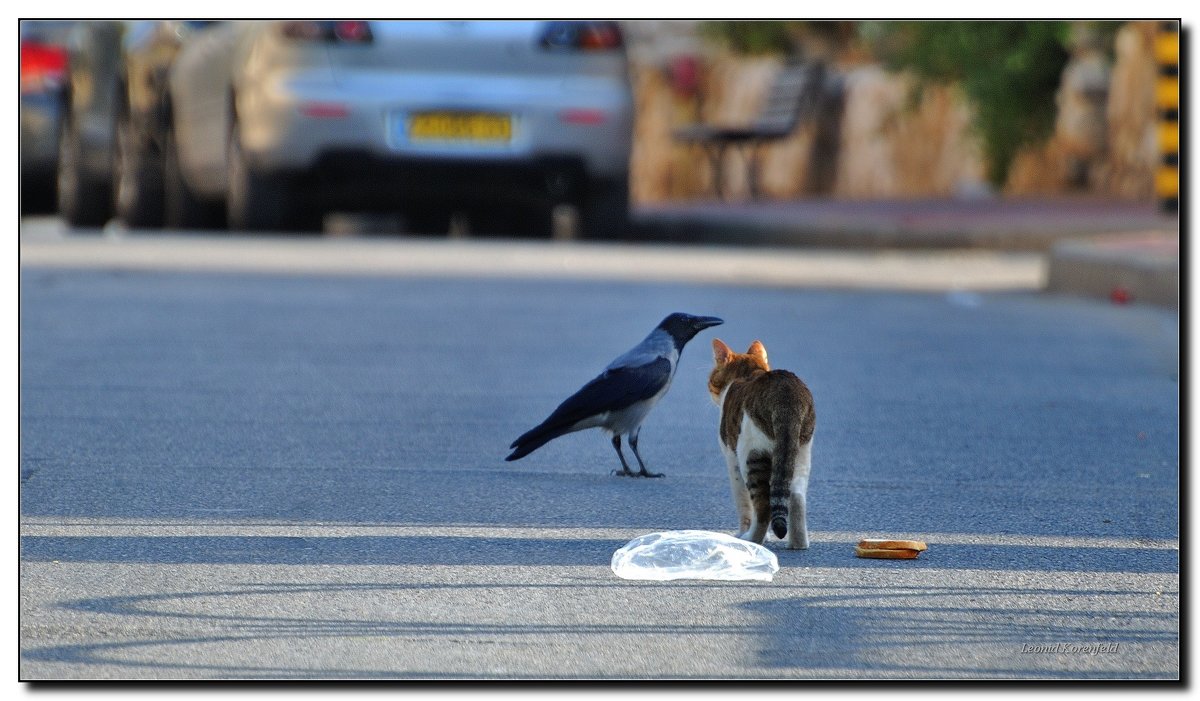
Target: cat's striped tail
(787, 446)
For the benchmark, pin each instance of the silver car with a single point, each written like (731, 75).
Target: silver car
(283, 121)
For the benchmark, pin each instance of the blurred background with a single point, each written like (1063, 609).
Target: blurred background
(255, 348)
(273, 125)
(910, 109)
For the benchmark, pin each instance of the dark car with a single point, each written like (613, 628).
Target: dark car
(43, 66)
(110, 144)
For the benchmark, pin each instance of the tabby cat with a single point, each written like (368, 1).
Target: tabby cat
(766, 432)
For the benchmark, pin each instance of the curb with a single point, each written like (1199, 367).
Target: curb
(1028, 226)
(1114, 251)
(748, 232)
(1139, 268)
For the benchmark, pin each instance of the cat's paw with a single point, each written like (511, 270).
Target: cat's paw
(797, 543)
(751, 536)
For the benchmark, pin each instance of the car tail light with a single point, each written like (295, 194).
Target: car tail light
(587, 117)
(354, 31)
(324, 110)
(42, 66)
(582, 36)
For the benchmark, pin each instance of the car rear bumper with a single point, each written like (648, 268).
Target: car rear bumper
(295, 123)
(360, 179)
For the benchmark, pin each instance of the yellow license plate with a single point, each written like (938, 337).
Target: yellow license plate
(470, 127)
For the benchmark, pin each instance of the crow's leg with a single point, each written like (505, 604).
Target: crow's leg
(625, 471)
(633, 440)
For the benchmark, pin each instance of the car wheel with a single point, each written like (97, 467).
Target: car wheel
(425, 220)
(604, 210)
(259, 201)
(82, 201)
(137, 173)
(533, 220)
(37, 194)
(182, 208)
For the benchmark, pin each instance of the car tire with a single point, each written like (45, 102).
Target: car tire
(82, 201)
(604, 210)
(37, 194)
(535, 220)
(138, 180)
(182, 208)
(427, 220)
(260, 201)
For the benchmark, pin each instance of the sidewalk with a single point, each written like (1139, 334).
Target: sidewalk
(1124, 251)
(1136, 267)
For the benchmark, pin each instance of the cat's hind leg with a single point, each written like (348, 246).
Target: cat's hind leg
(737, 489)
(797, 537)
(757, 474)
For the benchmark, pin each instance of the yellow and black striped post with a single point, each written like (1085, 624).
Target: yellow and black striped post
(1166, 100)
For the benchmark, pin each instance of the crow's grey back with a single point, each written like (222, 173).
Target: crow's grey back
(658, 344)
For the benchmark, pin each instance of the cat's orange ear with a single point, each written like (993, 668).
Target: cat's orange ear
(721, 352)
(758, 349)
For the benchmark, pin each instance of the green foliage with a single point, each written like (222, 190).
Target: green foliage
(752, 37)
(1103, 33)
(791, 38)
(1010, 70)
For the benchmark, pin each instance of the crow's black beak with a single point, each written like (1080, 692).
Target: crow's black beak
(704, 322)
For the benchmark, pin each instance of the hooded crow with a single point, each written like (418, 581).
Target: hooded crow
(620, 398)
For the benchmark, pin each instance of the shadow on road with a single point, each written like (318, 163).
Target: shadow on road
(890, 624)
(898, 630)
(453, 550)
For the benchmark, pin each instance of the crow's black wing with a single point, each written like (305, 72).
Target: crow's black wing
(613, 390)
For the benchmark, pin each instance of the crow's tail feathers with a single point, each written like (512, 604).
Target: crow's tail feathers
(532, 440)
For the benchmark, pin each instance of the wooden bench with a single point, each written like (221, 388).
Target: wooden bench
(792, 99)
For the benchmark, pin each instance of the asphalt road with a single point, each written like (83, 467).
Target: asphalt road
(298, 473)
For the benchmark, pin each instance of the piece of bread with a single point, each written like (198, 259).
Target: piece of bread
(889, 549)
(903, 554)
(891, 544)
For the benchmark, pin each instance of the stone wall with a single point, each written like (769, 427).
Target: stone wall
(1105, 138)
(1128, 170)
(891, 140)
(900, 141)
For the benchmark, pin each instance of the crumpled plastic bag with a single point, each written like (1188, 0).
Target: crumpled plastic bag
(693, 555)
